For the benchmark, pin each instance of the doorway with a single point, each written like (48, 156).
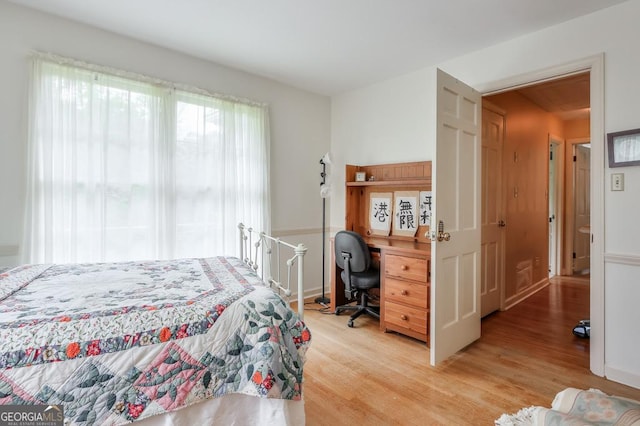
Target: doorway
(540, 119)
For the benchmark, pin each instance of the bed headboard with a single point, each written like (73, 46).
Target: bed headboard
(277, 262)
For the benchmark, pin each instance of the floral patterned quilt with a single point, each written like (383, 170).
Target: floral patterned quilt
(116, 342)
(577, 407)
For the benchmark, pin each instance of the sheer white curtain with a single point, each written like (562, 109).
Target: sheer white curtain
(123, 168)
(220, 170)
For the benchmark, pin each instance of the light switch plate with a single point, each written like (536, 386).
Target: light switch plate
(617, 181)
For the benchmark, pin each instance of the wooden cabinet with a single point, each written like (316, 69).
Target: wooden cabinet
(410, 268)
(404, 261)
(405, 294)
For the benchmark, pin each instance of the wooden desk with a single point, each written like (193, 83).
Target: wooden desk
(404, 285)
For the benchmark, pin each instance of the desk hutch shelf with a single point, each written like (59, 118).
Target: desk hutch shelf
(415, 176)
(404, 261)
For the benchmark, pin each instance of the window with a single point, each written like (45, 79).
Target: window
(121, 168)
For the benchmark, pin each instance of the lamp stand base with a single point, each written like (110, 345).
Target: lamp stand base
(322, 300)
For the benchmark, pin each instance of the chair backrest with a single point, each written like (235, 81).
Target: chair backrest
(352, 243)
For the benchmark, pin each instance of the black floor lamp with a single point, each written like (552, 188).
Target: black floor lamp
(324, 193)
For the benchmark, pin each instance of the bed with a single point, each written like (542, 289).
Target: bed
(173, 342)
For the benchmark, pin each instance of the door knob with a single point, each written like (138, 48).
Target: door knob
(502, 224)
(442, 236)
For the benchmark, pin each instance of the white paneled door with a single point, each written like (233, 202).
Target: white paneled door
(456, 228)
(493, 215)
(582, 208)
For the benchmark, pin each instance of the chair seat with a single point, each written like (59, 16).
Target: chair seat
(363, 280)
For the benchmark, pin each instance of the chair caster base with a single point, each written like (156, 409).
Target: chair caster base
(350, 323)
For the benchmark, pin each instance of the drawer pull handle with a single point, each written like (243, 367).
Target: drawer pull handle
(403, 317)
(404, 292)
(404, 267)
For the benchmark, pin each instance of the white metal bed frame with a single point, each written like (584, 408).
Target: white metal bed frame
(259, 255)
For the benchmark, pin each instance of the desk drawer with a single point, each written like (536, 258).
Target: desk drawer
(411, 268)
(413, 319)
(408, 292)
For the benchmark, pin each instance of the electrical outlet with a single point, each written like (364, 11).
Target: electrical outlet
(617, 181)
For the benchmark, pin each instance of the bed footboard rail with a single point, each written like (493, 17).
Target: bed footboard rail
(276, 262)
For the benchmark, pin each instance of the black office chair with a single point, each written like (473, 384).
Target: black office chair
(353, 257)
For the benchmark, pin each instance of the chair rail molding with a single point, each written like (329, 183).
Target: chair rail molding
(622, 259)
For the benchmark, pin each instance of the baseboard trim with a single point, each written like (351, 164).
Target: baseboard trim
(308, 294)
(309, 297)
(514, 300)
(623, 377)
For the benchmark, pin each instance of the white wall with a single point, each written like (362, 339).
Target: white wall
(384, 123)
(300, 121)
(359, 114)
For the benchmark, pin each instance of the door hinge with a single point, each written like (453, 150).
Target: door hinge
(574, 254)
(575, 158)
(550, 155)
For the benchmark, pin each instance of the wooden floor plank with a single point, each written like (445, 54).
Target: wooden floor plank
(525, 356)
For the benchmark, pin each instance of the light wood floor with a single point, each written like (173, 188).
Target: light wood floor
(525, 356)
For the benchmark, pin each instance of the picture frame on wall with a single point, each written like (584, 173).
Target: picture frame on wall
(624, 148)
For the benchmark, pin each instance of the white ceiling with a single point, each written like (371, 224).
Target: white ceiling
(324, 46)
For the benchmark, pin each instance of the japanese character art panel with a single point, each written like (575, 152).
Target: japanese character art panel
(406, 219)
(380, 213)
(426, 202)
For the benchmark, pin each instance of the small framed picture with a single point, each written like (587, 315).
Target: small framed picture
(624, 148)
(361, 176)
